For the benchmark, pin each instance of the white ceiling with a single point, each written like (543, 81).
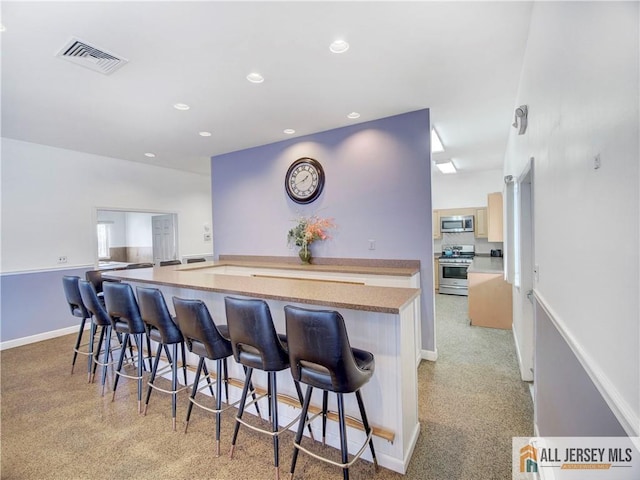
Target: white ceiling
(460, 59)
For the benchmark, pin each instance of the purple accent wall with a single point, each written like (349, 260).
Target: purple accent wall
(378, 187)
(567, 403)
(34, 303)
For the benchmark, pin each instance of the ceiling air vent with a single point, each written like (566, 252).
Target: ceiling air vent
(89, 56)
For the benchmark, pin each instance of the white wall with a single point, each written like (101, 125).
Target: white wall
(580, 80)
(118, 226)
(49, 197)
(139, 229)
(463, 190)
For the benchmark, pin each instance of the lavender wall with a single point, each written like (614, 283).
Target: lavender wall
(378, 186)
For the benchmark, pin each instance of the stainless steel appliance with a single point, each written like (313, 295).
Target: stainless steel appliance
(461, 223)
(454, 262)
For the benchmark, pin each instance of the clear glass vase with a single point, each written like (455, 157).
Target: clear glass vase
(305, 254)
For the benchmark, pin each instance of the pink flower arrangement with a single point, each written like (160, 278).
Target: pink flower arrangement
(308, 230)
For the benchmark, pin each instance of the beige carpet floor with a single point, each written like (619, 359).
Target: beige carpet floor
(56, 426)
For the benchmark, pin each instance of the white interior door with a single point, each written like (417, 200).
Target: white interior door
(164, 238)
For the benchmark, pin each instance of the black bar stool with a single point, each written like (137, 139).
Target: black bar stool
(165, 263)
(205, 339)
(321, 357)
(196, 260)
(125, 316)
(78, 309)
(102, 320)
(162, 329)
(256, 345)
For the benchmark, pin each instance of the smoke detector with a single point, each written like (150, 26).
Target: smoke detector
(90, 56)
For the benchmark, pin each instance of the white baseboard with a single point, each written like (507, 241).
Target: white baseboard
(431, 355)
(18, 342)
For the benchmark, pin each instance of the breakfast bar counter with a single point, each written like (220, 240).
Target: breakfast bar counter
(307, 288)
(381, 309)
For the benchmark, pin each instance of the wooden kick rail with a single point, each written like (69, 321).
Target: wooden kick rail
(380, 432)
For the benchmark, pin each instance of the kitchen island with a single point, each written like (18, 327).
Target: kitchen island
(380, 319)
(490, 296)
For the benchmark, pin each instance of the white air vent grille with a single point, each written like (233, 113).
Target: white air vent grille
(89, 56)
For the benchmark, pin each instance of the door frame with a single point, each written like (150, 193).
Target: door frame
(524, 330)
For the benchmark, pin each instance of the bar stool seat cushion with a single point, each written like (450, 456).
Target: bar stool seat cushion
(170, 337)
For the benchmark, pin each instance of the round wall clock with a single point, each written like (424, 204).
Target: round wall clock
(304, 180)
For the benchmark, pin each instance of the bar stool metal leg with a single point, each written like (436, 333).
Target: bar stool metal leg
(243, 399)
(298, 439)
(367, 429)
(344, 449)
(274, 422)
(77, 345)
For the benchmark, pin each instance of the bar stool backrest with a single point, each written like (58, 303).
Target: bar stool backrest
(74, 299)
(93, 303)
(254, 339)
(199, 330)
(121, 304)
(196, 260)
(320, 354)
(165, 263)
(154, 311)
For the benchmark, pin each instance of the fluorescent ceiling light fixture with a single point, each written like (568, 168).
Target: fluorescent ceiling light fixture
(181, 106)
(204, 134)
(289, 131)
(353, 115)
(150, 155)
(255, 77)
(436, 144)
(446, 166)
(339, 46)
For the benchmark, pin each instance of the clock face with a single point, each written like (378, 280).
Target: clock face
(304, 180)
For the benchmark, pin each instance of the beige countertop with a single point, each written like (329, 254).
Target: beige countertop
(333, 294)
(482, 264)
(403, 268)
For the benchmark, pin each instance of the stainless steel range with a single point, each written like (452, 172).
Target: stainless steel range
(454, 262)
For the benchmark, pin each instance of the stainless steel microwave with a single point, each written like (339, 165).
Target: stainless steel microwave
(457, 224)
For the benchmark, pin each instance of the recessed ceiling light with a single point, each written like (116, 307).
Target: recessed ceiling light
(181, 106)
(255, 77)
(2, 29)
(446, 166)
(204, 134)
(353, 115)
(289, 131)
(150, 155)
(436, 144)
(339, 46)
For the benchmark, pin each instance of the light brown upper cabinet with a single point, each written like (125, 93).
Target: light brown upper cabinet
(436, 225)
(494, 217)
(481, 223)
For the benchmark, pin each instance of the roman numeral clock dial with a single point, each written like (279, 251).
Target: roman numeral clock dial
(304, 180)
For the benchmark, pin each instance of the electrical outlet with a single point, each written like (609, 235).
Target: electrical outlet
(372, 244)
(62, 259)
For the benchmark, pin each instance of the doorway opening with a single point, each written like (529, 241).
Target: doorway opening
(134, 236)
